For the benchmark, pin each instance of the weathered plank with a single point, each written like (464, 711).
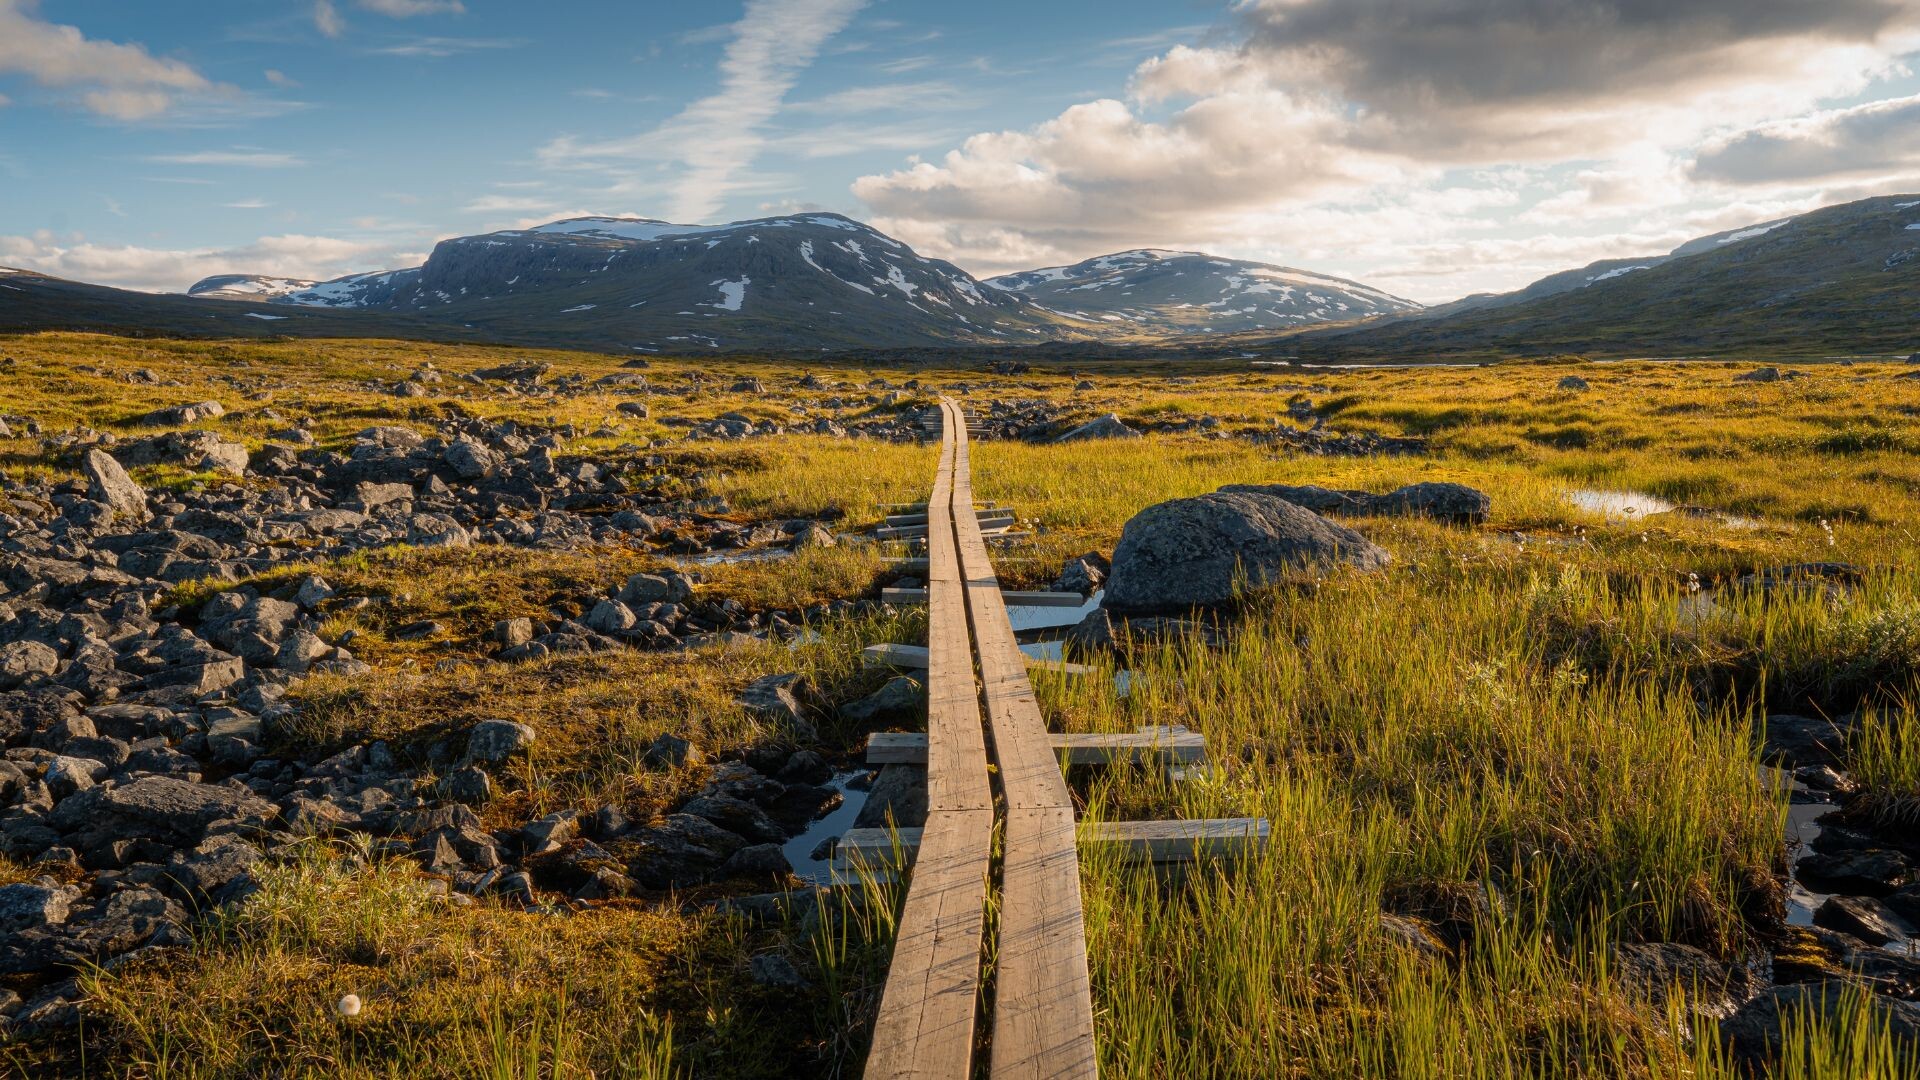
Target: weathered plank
(1158, 842)
(1013, 597)
(1168, 744)
(925, 1024)
(914, 657)
(1043, 998)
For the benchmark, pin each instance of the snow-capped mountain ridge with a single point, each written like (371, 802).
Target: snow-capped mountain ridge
(657, 284)
(1191, 292)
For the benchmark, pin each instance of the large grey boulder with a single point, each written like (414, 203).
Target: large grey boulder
(1194, 552)
(1106, 427)
(108, 483)
(1441, 501)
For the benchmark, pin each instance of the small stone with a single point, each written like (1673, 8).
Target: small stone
(1862, 916)
(671, 752)
(495, 741)
(469, 785)
(108, 483)
(512, 633)
(23, 661)
(772, 969)
(899, 698)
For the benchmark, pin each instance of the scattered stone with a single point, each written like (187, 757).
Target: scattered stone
(1573, 382)
(1759, 375)
(898, 699)
(108, 483)
(1755, 1034)
(782, 699)
(494, 741)
(24, 661)
(1862, 916)
(772, 969)
(1106, 427)
(670, 752)
(180, 415)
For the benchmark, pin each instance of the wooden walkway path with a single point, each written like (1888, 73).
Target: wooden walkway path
(989, 757)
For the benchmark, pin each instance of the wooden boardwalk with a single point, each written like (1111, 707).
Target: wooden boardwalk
(990, 757)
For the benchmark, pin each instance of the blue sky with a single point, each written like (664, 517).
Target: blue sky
(148, 144)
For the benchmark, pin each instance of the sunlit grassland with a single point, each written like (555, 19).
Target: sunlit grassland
(1531, 734)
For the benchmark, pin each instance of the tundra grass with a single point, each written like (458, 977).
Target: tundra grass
(1534, 735)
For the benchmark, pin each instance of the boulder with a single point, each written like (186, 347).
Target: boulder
(1106, 427)
(1442, 501)
(1196, 552)
(1573, 382)
(1759, 375)
(470, 460)
(108, 483)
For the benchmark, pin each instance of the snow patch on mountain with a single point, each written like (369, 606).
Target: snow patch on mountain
(732, 294)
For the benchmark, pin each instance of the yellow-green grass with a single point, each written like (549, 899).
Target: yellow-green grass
(1536, 712)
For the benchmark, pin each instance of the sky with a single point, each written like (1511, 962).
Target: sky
(1432, 148)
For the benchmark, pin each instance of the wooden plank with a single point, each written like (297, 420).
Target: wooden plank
(914, 658)
(1162, 843)
(1043, 997)
(919, 516)
(1000, 520)
(1013, 598)
(925, 1026)
(1174, 745)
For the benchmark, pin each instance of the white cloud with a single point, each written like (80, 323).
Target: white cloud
(507, 204)
(120, 82)
(1368, 137)
(440, 47)
(327, 20)
(247, 204)
(236, 158)
(163, 270)
(407, 9)
(717, 138)
(279, 78)
(1876, 139)
(887, 97)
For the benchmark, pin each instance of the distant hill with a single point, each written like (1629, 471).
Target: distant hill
(1843, 279)
(803, 281)
(1189, 292)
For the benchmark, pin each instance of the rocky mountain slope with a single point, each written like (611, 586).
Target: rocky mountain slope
(804, 281)
(1189, 292)
(1841, 279)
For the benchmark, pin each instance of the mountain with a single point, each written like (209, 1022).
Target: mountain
(1842, 279)
(1604, 270)
(31, 301)
(634, 284)
(1189, 292)
(246, 287)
